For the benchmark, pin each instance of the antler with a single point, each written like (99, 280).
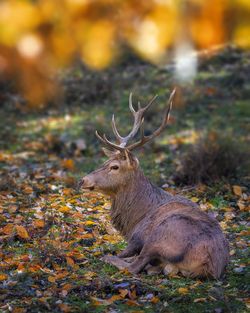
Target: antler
(138, 119)
(144, 139)
(138, 124)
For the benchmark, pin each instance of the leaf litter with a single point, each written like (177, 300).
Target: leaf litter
(53, 237)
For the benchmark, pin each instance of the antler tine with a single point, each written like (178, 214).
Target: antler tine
(108, 143)
(157, 132)
(115, 131)
(150, 103)
(131, 103)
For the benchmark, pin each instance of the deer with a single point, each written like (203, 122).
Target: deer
(166, 233)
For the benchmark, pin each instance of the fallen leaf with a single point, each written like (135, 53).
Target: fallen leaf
(64, 209)
(155, 300)
(3, 276)
(38, 223)
(200, 300)
(22, 232)
(88, 223)
(7, 229)
(68, 164)
(241, 205)
(183, 291)
(67, 287)
(123, 292)
(70, 261)
(194, 199)
(52, 279)
(89, 275)
(19, 310)
(237, 190)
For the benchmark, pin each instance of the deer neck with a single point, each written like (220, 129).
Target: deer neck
(133, 201)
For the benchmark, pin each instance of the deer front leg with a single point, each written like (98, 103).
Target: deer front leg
(131, 250)
(134, 247)
(116, 261)
(135, 267)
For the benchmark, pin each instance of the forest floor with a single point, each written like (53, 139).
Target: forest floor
(52, 236)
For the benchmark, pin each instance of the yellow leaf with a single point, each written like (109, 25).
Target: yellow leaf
(22, 232)
(89, 275)
(64, 209)
(70, 261)
(183, 291)
(89, 223)
(52, 279)
(194, 199)
(237, 190)
(3, 276)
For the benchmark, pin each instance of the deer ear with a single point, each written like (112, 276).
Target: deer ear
(132, 160)
(108, 152)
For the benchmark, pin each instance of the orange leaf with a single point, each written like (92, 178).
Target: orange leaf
(3, 276)
(68, 164)
(70, 261)
(7, 229)
(19, 310)
(38, 223)
(237, 190)
(123, 292)
(241, 205)
(114, 298)
(22, 232)
(155, 300)
(62, 275)
(67, 287)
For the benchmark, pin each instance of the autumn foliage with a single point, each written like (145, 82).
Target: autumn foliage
(38, 36)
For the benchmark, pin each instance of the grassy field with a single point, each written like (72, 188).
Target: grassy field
(53, 236)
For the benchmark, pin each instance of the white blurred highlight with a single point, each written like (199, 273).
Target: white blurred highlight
(30, 46)
(185, 62)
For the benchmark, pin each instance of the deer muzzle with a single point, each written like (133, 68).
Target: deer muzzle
(86, 183)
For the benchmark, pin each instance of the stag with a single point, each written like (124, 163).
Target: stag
(165, 233)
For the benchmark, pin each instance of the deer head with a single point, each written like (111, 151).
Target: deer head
(122, 165)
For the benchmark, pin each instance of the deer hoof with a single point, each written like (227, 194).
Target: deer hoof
(114, 260)
(153, 270)
(108, 258)
(170, 269)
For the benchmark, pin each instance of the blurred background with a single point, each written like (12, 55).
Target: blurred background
(66, 66)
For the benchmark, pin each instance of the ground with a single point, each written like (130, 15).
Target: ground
(53, 235)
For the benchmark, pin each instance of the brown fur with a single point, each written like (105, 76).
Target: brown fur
(161, 229)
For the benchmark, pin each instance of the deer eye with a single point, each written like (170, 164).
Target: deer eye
(114, 167)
